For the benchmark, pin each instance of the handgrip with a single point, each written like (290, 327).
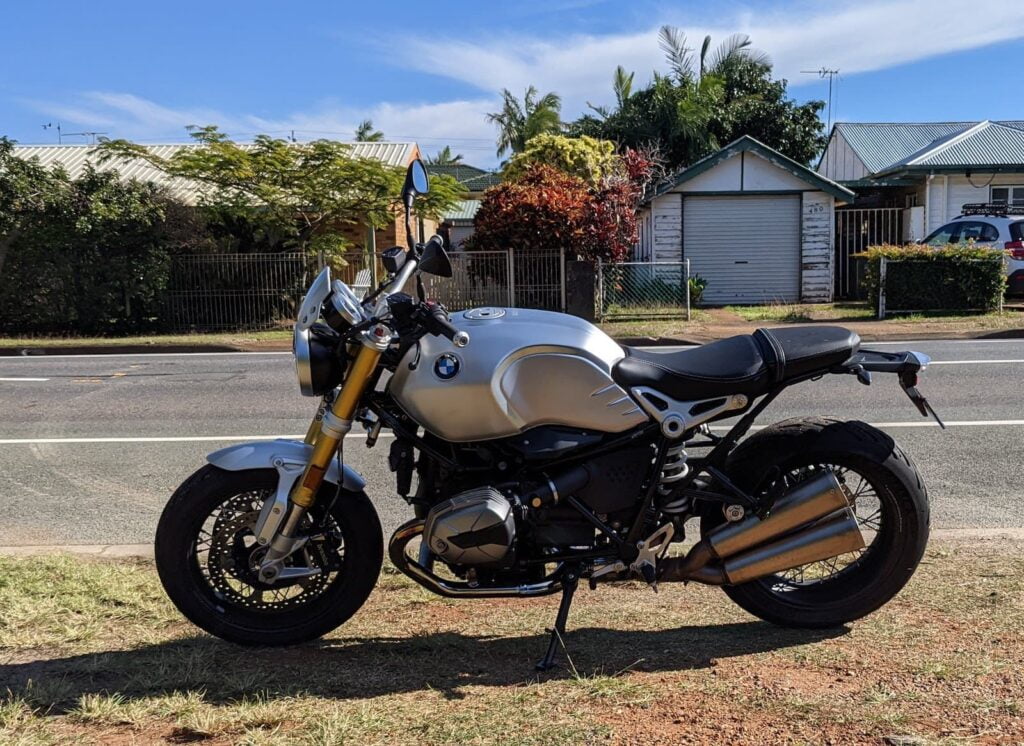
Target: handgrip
(444, 327)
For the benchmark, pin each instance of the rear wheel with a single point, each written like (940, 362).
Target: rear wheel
(208, 559)
(888, 498)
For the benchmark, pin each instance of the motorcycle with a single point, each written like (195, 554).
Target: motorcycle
(545, 454)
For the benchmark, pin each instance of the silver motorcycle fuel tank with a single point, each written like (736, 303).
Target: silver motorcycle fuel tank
(522, 368)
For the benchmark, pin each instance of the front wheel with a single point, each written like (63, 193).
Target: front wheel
(208, 559)
(887, 495)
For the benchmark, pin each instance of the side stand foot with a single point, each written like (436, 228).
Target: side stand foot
(568, 590)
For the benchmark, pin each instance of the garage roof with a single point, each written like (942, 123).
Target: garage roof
(751, 145)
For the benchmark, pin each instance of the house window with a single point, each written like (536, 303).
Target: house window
(910, 200)
(1008, 195)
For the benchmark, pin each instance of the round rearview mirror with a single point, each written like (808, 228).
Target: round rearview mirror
(416, 181)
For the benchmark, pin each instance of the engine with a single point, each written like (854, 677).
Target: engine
(476, 527)
(481, 526)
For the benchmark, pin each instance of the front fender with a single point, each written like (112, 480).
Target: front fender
(289, 457)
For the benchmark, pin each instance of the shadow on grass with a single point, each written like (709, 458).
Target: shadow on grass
(356, 668)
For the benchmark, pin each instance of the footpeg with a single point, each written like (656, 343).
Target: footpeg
(651, 550)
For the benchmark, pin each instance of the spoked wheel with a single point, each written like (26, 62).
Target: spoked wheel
(887, 496)
(208, 559)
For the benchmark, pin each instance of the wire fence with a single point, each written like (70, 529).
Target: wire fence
(643, 290)
(918, 286)
(218, 292)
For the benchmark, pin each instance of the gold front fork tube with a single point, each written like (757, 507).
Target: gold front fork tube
(333, 427)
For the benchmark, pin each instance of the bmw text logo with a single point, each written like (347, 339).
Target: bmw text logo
(447, 366)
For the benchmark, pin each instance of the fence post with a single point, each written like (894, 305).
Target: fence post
(686, 279)
(511, 279)
(561, 268)
(881, 287)
(600, 289)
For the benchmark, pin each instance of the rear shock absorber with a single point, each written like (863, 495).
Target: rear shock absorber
(675, 468)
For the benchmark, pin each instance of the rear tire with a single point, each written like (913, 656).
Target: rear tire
(205, 590)
(882, 569)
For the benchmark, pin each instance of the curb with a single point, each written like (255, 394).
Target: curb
(137, 349)
(125, 551)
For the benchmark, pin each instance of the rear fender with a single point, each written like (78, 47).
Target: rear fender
(289, 459)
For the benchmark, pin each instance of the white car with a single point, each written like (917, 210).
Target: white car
(996, 225)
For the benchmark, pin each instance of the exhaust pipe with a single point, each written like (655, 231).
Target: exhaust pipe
(753, 548)
(457, 588)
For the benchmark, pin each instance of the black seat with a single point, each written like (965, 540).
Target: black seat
(746, 364)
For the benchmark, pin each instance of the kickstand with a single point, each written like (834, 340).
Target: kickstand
(569, 584)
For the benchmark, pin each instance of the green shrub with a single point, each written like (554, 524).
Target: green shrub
(697, 285)
(924, 278)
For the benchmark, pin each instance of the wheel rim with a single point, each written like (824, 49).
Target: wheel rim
(227, 557)
(868, 508)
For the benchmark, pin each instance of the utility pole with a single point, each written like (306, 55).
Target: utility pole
(823, 73)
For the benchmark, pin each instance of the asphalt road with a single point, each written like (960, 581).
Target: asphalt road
(92, 446)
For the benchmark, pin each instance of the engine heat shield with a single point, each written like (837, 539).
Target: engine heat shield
(473, 528)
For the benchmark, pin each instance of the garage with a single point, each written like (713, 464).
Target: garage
(756, 259)
(756, 225)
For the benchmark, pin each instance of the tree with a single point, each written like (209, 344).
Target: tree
(26, 190)
(622, 87)
(583, 157)
(445, 157)
(278, 195)
(518, 123)
(709, 98)
(366, 133)
(546, 209)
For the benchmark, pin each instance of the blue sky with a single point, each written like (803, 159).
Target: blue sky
(430, 71)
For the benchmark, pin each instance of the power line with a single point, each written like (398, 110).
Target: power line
(830, 74)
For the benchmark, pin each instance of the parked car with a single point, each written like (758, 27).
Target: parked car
(994, 224)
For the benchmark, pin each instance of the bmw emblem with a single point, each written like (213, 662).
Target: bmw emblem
(447, 366)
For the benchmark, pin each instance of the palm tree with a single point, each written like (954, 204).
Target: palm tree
(737, 47)
(366, 133)
(445, 157)
(519, 122)
(622, 86)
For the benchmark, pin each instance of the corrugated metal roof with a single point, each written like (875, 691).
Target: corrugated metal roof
(482, 182)
(462, 211)
(75, 158)
(899, 146)
(879, 145)
(986, 144)
(458, 171)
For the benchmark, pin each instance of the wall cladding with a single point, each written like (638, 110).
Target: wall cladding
(817, 235)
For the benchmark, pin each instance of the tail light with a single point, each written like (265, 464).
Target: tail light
(1016, 249)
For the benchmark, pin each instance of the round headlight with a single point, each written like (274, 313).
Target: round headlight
(317, 364)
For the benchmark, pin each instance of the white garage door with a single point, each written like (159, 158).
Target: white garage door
(747, 248)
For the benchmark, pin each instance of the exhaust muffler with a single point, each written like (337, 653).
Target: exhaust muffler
(793, 534)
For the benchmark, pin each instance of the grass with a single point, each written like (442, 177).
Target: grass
(803, 312)
(92, 652)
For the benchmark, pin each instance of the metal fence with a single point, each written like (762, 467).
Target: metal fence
(856, 230)
(643, 290)
(208, 292)
(889, 273)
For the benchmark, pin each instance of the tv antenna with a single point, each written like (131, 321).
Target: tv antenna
(50, 126)
(90, 134)
(825, 72)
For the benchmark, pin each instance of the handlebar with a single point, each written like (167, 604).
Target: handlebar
(441, 325)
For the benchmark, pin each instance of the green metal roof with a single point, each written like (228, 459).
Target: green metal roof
(462, 213)
(482, 182)
(458, 171)
(894, 147)
(749, 144)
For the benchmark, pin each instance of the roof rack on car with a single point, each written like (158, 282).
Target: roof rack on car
(991, 208)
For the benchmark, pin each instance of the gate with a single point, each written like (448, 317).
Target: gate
(856, 230)
(643, 290)
(525, 279)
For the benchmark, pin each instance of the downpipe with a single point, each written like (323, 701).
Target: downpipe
(810, 522)
(457, 588)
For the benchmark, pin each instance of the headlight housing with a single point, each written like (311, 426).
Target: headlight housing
(319, 363)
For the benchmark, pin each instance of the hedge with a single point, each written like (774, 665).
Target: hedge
(924, 278)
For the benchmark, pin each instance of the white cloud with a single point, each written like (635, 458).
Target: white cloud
(852, 36)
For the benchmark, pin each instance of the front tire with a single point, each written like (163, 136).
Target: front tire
(896, 520)
(204, 557)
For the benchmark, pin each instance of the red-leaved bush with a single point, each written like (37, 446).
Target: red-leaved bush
(544, 209)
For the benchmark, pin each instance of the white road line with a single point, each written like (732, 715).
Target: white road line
(15, 380)
(234, 438)
(37, 358)
(163, 439)
(975, 362)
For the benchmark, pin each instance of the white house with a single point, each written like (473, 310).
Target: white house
(757, 225)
